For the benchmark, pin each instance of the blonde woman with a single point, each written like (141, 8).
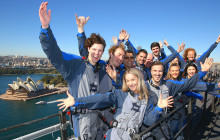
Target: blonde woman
(133, 102)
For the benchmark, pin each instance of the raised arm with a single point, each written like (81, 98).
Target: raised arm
(96, 101)
(208, 52)
(179, 86)
(62, 61)
(163, 54)
(130, 46)
(173, 55)
(81, 21)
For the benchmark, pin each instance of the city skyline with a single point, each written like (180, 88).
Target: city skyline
(193, 22)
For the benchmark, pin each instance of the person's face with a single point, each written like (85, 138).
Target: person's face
(191, 55)
(141, 58)
(118, 57)
(149, 61)
(156, 50)
(129, 60)
(175, 61)
(174, 72)
(157, 73)
(95, 52)
(131, 82)
(191, 71)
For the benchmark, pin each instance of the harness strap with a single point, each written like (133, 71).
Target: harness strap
(123, 124)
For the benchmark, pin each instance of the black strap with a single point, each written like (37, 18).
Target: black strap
(103, 119)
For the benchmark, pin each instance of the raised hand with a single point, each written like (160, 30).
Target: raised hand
(127, 37)
(111, 71)
(207, 64)
(44, 16)
(114, 40)
(122, 34)
(181, 47)
(70, 101)
(218, 39)
(81, 21)
(161, 44)
(162, 103)
(166, 43)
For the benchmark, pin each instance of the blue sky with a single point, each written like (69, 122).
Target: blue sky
(195, 22)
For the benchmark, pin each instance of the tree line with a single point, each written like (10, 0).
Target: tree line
(49, 79)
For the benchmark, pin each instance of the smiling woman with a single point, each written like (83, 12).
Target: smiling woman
(134, 105)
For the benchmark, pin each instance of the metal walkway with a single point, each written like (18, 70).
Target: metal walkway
(209, 126)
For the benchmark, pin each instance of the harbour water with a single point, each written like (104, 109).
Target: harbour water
(16, 112)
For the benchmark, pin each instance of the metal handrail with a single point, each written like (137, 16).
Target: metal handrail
(27, 123)
(138, 136)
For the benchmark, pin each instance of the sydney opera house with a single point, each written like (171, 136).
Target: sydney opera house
(25, 86)
(25, 90)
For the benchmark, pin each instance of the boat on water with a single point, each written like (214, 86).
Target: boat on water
(41, 103)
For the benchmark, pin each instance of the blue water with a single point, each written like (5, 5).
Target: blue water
(16, 112)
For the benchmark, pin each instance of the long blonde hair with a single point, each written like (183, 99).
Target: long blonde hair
(141, 87)
(169, 76)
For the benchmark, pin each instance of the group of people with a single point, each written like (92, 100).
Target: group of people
(132, 90)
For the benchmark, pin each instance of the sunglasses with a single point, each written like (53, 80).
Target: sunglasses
(129, 57)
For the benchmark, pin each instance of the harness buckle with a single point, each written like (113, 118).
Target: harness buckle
(113, 123)
(84, 111)
(130, 130)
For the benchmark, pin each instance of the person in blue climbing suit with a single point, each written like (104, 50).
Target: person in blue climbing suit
(189, 55)
(82, 74)
(134, 105)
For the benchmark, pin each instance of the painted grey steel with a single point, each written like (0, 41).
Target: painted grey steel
(42, 132)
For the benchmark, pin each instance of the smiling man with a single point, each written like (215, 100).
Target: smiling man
(158, 53)
(157, 85)
(81, 73)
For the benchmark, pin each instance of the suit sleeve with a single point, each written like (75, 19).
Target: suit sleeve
(81, 39)
(180, 58)
(207, 53)
(166, 60)
(131, 47)
(152, 114)
(179, 86)
(62, 61)
(163, 54)
(98, 101)
(204, 87)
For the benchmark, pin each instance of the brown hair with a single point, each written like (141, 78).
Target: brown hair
(169, 75)
(185, 74)
(94, 38)
(157, 63)
(154, 44)
(114, 48)
(141, 88)
(186, 53)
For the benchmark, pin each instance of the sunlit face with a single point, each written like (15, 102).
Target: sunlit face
(118, 57)
(141, 58)
(95, 53)
(156, 50)
(131, 82)
(149, 60)
(191, 71)
(175, 61)
(191, 55)
(174, 72)
(129, 60)
(157, 73)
